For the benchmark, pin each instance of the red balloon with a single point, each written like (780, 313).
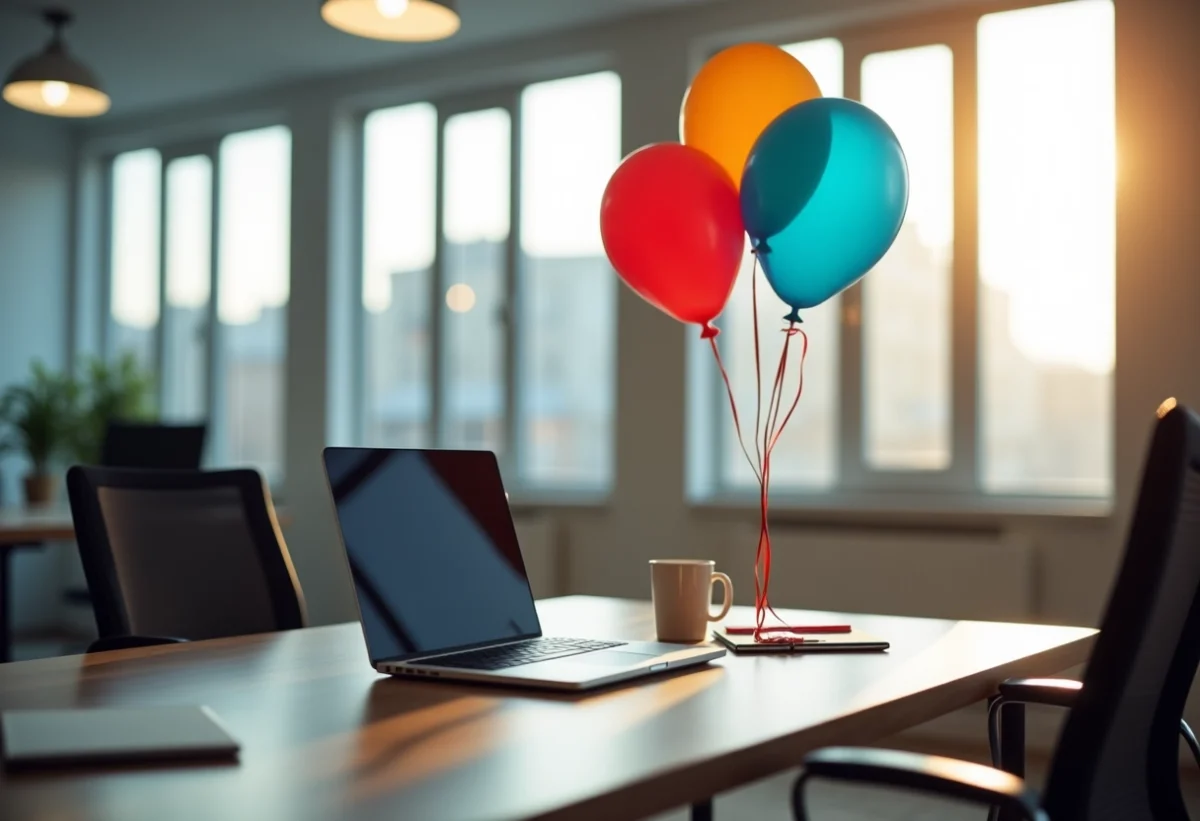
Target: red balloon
(672, 228)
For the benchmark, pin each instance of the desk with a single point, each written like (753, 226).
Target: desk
(25, 528)
(324, 737)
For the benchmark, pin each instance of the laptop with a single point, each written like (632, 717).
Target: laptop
(441, 586)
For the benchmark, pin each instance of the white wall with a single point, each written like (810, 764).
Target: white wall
(1071, 560)
(35, 196)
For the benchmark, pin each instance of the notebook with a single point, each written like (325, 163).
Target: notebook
(39, 738)
(854, 641)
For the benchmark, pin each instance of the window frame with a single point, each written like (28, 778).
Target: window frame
(507, 97)
(208, 146)
(858, 486)
(167, 152)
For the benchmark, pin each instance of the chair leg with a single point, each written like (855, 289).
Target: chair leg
(1012, 743)
(1190, 738)
(798, 812)
(702, 810)
(993, 724)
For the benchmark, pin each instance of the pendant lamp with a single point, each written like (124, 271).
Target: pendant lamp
(53, 82)
(410, 21)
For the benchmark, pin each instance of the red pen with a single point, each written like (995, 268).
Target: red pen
(814, 628)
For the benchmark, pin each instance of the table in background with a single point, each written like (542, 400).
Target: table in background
(27, 528)
(324, 737)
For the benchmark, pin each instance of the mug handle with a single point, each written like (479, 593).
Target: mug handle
(728, 602)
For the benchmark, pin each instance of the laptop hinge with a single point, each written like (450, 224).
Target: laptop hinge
(440, 654)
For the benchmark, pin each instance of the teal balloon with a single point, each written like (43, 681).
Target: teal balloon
(849, 183)
(784, 168)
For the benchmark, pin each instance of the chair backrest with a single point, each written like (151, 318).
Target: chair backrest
(182, 554)
(152, 445)
(1117, 757)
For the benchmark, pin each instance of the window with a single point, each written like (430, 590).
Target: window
(906, 299)
(893, 402)
(1047, 216)
(400, 155)
(252, 282)
(570, 144)
(188, 262)
(133, 262)
(162, 274)
(499, 333)
(475, 220)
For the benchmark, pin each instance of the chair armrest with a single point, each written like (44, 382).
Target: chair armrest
(1057, 692)
(927, 773)
(129, 642)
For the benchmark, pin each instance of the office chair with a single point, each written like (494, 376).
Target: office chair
(147, 445)
(1117, 756)
(153, 445)
(181, 555)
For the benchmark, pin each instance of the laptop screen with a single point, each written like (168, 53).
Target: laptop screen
(432, 549)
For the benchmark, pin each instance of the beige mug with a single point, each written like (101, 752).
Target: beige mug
(682, 593)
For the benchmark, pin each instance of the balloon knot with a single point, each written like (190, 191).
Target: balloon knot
(709, 330)
(794, 316)
(760, 247)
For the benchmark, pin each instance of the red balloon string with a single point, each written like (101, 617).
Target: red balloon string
(775, 428)
(757, 365)
(765, 440)
(737, 425)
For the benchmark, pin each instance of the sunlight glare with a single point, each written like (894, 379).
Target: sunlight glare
(477, 182)
(560, 193)
(400, 149)
(189, 235)
(135, 238)
(1047, 178)
(255, 229)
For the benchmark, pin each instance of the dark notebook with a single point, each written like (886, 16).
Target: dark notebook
(855, 640)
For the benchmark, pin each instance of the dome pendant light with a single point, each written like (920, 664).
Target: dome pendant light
(53, 82)
(412, 21)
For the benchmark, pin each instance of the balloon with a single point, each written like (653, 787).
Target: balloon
(784, 169)
(851, 215)
(736, 95)
(672, 229)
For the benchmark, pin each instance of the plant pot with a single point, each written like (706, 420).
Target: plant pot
(40, 488)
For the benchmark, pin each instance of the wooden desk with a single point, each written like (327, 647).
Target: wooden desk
(25, 528)
(35, 525)
(324, 737)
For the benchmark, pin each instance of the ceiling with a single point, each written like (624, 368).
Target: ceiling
(150, 53)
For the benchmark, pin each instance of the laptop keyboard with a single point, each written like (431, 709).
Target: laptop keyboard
(523, 652)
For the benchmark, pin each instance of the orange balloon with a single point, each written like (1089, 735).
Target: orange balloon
(736, 95)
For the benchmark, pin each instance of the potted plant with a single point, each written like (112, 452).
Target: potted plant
(112, 391)
(38, 419)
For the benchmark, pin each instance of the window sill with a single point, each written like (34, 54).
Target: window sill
(881, 509)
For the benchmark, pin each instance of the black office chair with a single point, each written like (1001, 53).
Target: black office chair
(147, 445)
(181, 555)
(153, 445)
(1117, 757)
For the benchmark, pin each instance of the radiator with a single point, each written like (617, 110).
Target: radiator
(933, 574)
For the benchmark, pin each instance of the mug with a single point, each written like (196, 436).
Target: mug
(682, 593)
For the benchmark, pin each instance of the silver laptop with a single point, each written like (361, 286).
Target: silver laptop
(441, 585)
